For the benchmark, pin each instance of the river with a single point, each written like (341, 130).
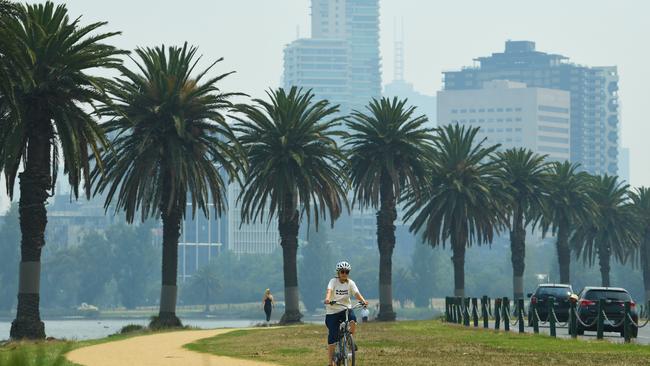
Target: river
(81, 329)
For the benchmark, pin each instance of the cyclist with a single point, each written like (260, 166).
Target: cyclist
(340, 289)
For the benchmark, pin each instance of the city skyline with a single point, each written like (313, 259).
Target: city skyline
(429, 47)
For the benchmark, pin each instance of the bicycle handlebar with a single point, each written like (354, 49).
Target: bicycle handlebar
(356, 306)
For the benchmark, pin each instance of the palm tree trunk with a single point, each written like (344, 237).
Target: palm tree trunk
(171, 219)
(518, 255)
(458, 259)
(288, 226)
(604, 258)
(386, 243)
(563, 254)
(35, 182)
(645, 263)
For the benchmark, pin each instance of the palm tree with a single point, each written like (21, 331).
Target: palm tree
(388, 149)
(612, 231)
(462, 201)
(525, 175)
(206, 282)
(641, 199)
(45, 117)
(295, 168)
(8, 8)
(171, 145)
(566, 205)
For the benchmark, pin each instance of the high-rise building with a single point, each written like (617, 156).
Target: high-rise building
(249, 238)
(320, 65)
(595, 120)
(202, 238)
(513, 115)
(341, 59)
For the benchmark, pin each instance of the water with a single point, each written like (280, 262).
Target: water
(81, 329)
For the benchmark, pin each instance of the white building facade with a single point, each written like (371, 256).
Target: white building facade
(513, 115)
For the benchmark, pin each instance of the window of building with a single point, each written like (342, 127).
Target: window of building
(454, 111)
(472, 111)
(490, 110)
(548, 108)
(482, 110)
(508, 109)
(499, 109)
(554, 119)
(463, 111)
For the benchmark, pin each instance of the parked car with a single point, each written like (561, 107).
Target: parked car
(560, 292)
(615, 299)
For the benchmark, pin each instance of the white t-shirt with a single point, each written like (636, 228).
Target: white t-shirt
(341, 293)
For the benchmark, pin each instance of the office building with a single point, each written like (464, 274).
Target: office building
(341, 59)
(201, 240)
(594, 112)
(320, 65)
(513, 115)
(249, 238)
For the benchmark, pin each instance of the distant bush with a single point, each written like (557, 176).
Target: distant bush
(130, 328)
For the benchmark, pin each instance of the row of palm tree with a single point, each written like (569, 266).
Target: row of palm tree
(155, 138)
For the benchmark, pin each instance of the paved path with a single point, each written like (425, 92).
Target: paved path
(164, 349)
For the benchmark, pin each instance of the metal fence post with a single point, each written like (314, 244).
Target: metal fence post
(533, 313)
(627, 327)
(484, 311)
(475, 311)
(600, 321)
(506, 314)
(447, 309)
(550, 302)
(520, 305)
(497, 313)
(466, 311)
(573, 319)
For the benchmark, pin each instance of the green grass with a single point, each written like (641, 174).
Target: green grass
(421, 343)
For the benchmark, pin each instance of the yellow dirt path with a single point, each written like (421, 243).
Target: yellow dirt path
(164, 349)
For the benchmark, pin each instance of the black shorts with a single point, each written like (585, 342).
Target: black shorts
(333, 322)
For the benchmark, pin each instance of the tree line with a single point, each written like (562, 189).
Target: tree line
(156, 137)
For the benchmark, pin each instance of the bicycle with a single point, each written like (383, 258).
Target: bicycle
(344, 355)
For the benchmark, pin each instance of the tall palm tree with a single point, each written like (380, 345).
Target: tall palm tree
(388, 149)
(525, 176)
(641, 199)
(45, 117)
(171, 145)
(462, 203)
(295, 168)
(612, 231)
(566, 205)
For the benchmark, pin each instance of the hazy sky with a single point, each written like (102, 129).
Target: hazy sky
(440, 35)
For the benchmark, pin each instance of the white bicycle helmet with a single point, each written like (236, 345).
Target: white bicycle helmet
(343, 265)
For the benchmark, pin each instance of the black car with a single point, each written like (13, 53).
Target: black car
(560, 292)
(615, 299)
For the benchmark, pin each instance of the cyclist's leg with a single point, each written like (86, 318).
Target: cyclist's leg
(332, 322)
(353, 322)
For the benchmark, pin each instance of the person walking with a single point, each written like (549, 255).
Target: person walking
(267, 304)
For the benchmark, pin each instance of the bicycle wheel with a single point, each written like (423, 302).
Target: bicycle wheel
(349, 348)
